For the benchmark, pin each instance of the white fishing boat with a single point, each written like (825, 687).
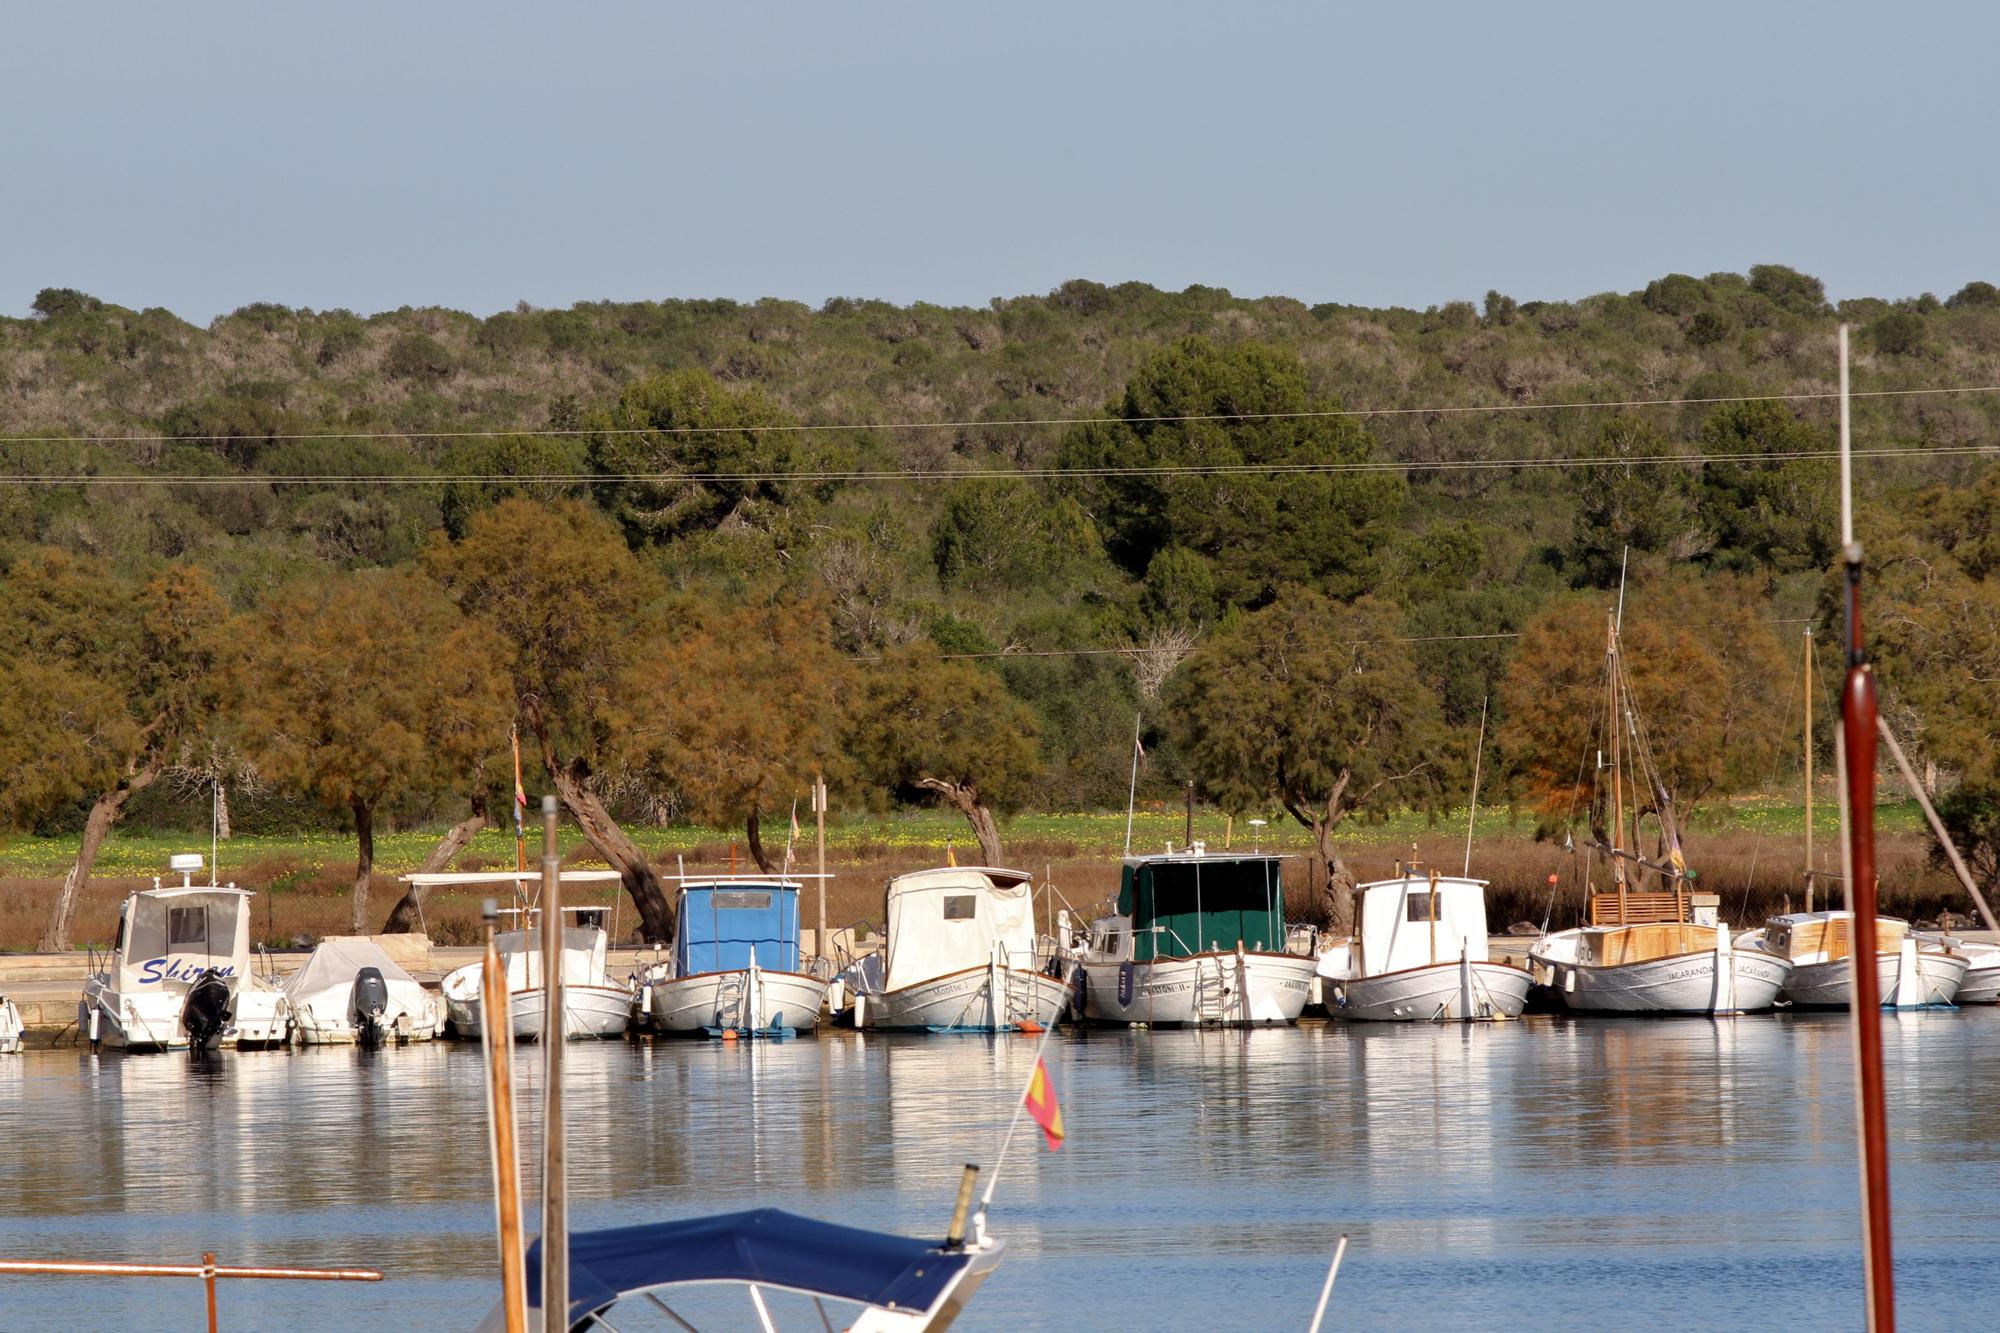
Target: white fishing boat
(11, 1027)
(960, 955)
(351, 992)
(1199, 938)
(1914, 973)
(1660, 967)
(594, 1005)
(1419, 953)
(180, 975)
(736, 966)
(1982, 972)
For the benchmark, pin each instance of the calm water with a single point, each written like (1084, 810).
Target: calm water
(1550, 1173)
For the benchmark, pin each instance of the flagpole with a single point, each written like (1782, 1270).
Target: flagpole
(1020, 1104)
(520, 803)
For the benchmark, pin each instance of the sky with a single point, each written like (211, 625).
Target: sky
(369, 156)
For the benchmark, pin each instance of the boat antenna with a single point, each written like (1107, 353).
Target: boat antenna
(1624, 559)
(1478, 755)
(214, 824)
(1808, 692)
(1858, 724)
(1132, 792)
(555, 1155)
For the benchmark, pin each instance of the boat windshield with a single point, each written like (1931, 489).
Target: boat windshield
(1195, 904)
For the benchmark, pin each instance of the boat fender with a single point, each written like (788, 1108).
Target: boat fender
(1125, 983)
(1080, 988)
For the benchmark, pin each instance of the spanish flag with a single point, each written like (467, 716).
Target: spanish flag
(1043, 1106)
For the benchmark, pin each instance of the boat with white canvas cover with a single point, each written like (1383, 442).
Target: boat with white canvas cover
(1419, 953)
(351, 992)
(180, 975)
(736, 966)
(1914, 973)
(593, 1004)
(960, 955)
(1199, 938)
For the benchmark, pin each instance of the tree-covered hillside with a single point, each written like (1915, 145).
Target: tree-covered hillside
(1038, 509)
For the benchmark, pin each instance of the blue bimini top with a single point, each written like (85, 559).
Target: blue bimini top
(721, 923)
(766, 1246)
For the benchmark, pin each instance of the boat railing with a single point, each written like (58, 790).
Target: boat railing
(207, 1270)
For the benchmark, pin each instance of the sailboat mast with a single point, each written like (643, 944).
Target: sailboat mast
(1617, 766)
(1809, 768)
(1858, 713)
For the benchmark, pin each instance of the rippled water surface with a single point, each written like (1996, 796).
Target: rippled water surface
(1548, 1173)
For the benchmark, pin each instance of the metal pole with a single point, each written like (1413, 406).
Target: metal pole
(1478, 756)
(1858, 715)
(1326, 1292)
(819, 823)
(1189, 839)
(208, 1281)
(496, 1033)
(1809, 769)
(1132, 792)
(555, 1183)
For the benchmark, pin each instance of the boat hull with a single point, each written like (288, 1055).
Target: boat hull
(589, 1012)
(776, 1003)
(11, 1027)
(151, 1020)
(328, 1020)
(1441, 992)
(1678, 984)
(1982, 980)
(1214, 989)
(967, 1002)
(1933, 980)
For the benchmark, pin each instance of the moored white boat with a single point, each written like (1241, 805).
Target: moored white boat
(1199, 938)
(593, 1004)
(960, 955)
(1982, 974)
(179, 974)
(1660, 967)
(736, 966)
(11, 1027)
(1420, 953)
(350, 991)
(1913, 973)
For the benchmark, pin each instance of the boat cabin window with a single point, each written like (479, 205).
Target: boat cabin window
(187, 925)
(728, 900)
(961, 907)
(1420, 906)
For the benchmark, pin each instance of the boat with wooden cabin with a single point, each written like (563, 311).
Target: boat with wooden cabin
(1420, 953)
(179, 974)
(1914, 973)
(960, 954)
(1199, 938)
(736, 966)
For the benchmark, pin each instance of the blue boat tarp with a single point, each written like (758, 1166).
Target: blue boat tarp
(765, 1245)
(721, 923)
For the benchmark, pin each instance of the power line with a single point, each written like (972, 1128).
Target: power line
(798, 428)
(862, 475)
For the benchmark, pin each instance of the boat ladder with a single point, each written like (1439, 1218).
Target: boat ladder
(1211, 991)
(729, 1002)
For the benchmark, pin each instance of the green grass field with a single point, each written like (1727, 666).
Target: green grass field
(145, 852)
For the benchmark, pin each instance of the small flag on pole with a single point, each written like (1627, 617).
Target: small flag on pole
(1043, 1106)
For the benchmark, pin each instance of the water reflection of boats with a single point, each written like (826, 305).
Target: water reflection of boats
(1199, 938)
(351, 991)
(960, 955)
(1914, 973)
(1420, 952)
(179, 973)
(736, 966)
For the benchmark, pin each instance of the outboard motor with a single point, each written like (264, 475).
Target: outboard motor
(207, 1011)
(371, 1002)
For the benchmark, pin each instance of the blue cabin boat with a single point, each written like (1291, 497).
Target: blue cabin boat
(737, 967)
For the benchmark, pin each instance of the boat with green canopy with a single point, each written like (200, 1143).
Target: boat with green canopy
(1199, 938)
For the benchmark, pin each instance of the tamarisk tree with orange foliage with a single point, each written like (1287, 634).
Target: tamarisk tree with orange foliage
(365, 688)
(1712, 696)
(737, 712)
(105, 680)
